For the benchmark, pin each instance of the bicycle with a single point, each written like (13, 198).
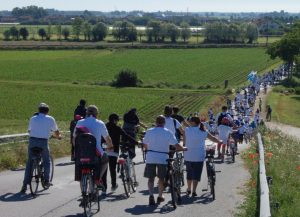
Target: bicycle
(37, 172)
(126, 168)
(210, 168)
(175, 177)
(86, 160)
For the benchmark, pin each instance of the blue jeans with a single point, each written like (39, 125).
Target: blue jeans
(43, 144)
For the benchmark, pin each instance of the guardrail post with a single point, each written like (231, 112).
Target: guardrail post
(263, 183)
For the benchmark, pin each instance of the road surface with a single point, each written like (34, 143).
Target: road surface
(62, 198)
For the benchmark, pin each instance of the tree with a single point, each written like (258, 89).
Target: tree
(58, 31)
(153, 30)
(6, 34)
(14, 32)
(126, 78)
(287, 48)
(172, 32)
(251, 32)
(124, 30)
(99, 31)
(76, 26)
(49, 31)
(66, 33)
(87, 30)
(42, 33)
(33, 11)
(185, 31)
(24, 33)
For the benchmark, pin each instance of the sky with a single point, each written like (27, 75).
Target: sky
(162, 5)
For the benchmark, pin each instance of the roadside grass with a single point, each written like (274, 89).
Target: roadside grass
(283, 165)
(167, 68)
(285, 108)
(14, 156)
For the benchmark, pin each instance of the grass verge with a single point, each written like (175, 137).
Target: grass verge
(14, 156)
(283, 165)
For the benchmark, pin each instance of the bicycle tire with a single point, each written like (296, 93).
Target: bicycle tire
(125, 182)
(173, 191)
(50, 174)
(212, 188)
(86, 199)
(34, 177)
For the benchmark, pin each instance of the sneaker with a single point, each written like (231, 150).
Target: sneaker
(23, 189)
(188, 192)
(160, 199)
(103, 193)
(194, 194)
(47, 185)
(151, 201)
(114, 187)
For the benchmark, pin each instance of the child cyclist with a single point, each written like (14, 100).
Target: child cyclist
(224, 131)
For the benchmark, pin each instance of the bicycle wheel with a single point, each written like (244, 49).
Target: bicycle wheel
(34, 177)
(173, 191)
(50, 173)
(232, 154)
(133, 181)
(124, 176)
(177, 183)
(86, 196)
(212, 188)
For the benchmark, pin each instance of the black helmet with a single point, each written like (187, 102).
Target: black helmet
(113, 117)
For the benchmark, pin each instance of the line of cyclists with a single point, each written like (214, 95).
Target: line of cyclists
(232, 124)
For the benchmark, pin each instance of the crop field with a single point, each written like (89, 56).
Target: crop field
(171, 67)
(20, 100)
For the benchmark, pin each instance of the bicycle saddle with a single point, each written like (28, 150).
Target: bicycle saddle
(36, 150)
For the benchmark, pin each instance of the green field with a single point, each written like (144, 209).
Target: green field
(173, 67)
(20, 100)
(61, 78)
(285, 108)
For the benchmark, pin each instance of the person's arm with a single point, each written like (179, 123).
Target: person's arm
(57, 135)
(124, 134)
(180, 147)
(143, 125)
(213, 138)
(109, 143)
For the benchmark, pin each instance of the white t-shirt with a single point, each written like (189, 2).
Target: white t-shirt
(158, 139)
(41, 126)
(171, 126)
(195, 143)
(224, 132)
(96, 127)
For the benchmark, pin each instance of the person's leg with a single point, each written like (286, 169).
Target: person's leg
(46, 158)
(26, 179)
(151, 186)
(188, 176)
(104, 179)
(195, 184)
(197, 172)
(160, 187)
(112, 169)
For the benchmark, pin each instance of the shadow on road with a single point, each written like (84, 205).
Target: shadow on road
(203, 199)
(15, 197)
(142, 209)
(18, 169)
(111, 197)
(76, 215)
(65, 164)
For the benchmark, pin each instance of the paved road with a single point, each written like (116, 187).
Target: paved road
(62, 198)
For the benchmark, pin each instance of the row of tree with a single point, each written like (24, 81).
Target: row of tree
(219, 32)
(33, 11)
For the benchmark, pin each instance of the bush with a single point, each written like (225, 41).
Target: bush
(126, 78)
(297, 90)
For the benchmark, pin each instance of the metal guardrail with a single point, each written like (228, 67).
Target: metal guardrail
(265, 210)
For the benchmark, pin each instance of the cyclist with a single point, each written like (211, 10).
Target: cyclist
(224, 130)
(157, 141)
(81, 109)
(40, 127)
(115, 133)
(98, 129)
(195, 137)
(224, 114)
(172, 124)
(131, 125)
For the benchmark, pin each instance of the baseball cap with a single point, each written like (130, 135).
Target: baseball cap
(43, 105)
